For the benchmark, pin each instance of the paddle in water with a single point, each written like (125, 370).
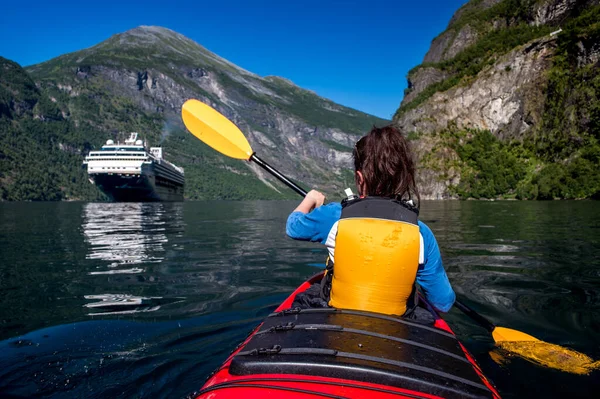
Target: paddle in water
(531, 348)
(214, 129)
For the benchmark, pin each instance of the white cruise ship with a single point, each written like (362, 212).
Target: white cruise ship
(129, 172)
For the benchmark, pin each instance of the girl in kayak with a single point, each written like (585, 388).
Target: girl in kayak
(378, 250)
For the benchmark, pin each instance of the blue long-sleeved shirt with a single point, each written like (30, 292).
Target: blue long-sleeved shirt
(316, 226)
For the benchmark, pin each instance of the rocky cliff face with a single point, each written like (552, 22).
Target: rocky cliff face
(139, 79)
(468, 23)
(502, 98)
(489, 71)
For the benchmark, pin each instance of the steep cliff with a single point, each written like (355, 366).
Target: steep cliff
(138, 80)
(525, 70)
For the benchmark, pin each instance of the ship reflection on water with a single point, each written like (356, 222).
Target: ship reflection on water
(125, 234)
(128, 238)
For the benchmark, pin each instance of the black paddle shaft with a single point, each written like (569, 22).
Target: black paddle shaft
(483, 322)
(278, 175)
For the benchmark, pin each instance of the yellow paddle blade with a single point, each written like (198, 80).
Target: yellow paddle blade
(551, 355)
(214, 129)
(506, 334)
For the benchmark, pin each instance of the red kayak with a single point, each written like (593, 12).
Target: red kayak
(339, 353)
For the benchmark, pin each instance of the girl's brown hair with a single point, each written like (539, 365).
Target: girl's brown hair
(385, 160)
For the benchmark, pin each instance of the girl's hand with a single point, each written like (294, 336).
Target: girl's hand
(317, 198)
(313, 199)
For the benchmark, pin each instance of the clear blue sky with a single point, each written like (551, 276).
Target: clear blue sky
(356, 53)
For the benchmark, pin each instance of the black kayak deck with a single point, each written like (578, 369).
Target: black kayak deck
(360, 346)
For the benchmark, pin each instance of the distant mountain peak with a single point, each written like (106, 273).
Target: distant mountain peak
(153, 33)
(164, 41)
(147, 36)
(154, 30)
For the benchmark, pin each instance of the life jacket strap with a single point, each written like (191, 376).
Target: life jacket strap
(326, 280)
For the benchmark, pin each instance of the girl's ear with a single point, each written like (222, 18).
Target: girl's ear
(360, 183)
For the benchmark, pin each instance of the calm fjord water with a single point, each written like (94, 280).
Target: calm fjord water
(145, 300)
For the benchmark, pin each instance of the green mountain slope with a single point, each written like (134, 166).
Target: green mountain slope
(40, 151)
(138, 80)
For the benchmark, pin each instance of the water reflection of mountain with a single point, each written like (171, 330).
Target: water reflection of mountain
(127, 235)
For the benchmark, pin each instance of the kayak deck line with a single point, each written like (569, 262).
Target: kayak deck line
(338, 321)
(326, 352)
(332, 352)
(361, 332)
(360, 313)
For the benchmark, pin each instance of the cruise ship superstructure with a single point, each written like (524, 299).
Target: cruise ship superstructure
(130, 172)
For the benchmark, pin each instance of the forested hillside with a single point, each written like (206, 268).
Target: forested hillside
(40, 150)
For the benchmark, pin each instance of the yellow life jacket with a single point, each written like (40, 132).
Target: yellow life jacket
(376, 256)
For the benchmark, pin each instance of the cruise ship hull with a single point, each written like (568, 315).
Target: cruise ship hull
(130, 172)
(137, 188)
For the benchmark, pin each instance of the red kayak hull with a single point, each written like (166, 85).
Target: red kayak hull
(223, 384)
